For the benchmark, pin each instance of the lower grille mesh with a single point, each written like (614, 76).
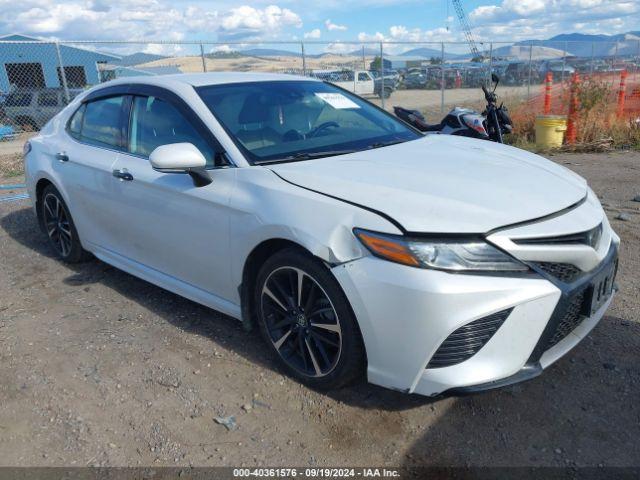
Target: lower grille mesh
(565, 272)
(570, 320)
(467, 340)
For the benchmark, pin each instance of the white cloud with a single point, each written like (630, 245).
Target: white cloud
(143, 19)
(525, 19)
(333, 26)
(371, 37)
(272, 17)
(339, 48)
(315, 33)
(400, 33)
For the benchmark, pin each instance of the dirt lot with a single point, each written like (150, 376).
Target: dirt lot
(428, 101)
(100, 368)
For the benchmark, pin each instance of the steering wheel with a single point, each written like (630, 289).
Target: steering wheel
(322, 127)
(292, 135)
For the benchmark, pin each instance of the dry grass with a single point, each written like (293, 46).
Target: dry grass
(11, 165)
(598, 127)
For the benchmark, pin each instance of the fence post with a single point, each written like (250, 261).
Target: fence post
(572, 124)
(204, 63)
(592, 59)
(564, 62)
(529, 75)
(364, 61)
(442, 77)
(304, 59)
(63, 74)
(382, 74)
(621, 93)
(490, 63)
(548, 85)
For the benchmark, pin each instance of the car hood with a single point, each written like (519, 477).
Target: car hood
(443, 184)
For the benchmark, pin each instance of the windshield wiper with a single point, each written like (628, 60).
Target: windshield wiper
(385, 144)
(306, 156)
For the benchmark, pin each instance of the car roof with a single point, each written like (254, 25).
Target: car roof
(210, 78)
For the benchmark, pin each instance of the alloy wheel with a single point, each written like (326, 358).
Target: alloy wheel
(301, 321)
(56, 222)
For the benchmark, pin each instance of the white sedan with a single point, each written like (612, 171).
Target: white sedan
(358, 246)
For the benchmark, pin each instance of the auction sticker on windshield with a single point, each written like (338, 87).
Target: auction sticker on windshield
(337, 100)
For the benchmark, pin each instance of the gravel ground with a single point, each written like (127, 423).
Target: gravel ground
(100, 368)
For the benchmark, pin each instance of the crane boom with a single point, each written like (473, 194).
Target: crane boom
(466, 28)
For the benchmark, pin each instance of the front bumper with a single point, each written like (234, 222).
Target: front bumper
(406, 313)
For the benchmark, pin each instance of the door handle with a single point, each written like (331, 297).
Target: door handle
(62, 157)
(123, 175)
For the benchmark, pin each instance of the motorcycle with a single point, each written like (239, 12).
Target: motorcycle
(492, 124)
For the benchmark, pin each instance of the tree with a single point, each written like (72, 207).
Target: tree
(375, 64)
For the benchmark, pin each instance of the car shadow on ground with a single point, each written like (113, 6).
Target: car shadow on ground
(189, 316)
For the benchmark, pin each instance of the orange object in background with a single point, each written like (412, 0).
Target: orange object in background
(572, 124)
(548, 86)
(621, 93)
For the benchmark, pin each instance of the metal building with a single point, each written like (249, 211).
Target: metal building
(38, 65)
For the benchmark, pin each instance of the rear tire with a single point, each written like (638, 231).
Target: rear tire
(59, 227)
(306, 320)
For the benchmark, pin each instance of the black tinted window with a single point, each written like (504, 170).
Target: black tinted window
(155, 122)
(102, 122)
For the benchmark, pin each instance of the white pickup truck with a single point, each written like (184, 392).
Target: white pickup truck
(360, 82)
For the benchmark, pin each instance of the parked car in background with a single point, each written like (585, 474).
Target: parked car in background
(391, 81)
(30, 109)
(414, 80)
(558, 69)
(360, 82)
(354, 243)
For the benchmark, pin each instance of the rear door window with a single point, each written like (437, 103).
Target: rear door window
(102, 122)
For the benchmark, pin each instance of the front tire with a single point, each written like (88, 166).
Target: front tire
(307, 321)
(59, 227)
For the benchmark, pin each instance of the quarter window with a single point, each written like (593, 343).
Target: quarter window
(155, 122)
(101, 123)
(75, 124)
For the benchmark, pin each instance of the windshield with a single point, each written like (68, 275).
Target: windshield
(298, 120)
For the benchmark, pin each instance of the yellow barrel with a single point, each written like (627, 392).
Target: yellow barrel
(550, 130)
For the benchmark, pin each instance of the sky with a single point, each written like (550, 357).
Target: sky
(331, 21)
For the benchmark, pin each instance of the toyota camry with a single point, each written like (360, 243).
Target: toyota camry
(354, 244)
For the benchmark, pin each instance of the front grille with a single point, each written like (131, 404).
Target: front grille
(467, 340)
(590, 238)
(572, 317)
(565, 272)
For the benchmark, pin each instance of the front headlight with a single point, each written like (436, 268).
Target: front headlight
(451, 254)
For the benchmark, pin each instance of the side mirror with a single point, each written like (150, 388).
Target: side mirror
(181, 158)
(495, 79)
(177, 158)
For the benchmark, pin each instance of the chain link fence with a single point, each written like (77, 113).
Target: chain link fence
(37, 79)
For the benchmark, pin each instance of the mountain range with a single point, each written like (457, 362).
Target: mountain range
(584, 45)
